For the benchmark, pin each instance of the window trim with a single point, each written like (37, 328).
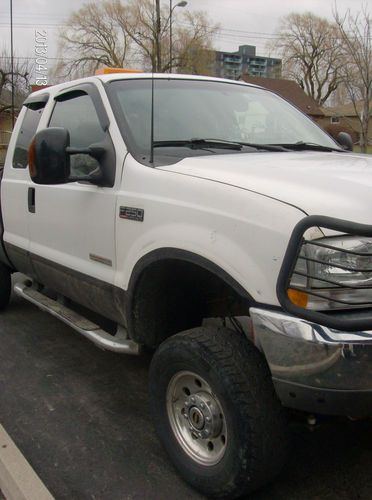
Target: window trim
(92, 91)
(36, 102)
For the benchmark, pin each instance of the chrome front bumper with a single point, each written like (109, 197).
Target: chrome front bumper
(315, 368)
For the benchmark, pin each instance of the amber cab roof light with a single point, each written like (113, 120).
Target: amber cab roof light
(108, 71)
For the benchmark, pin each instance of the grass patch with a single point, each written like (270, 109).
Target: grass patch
(357, 149)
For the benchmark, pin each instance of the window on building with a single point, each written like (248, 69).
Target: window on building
(335, 119)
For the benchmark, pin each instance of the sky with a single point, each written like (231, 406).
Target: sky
(251, 22)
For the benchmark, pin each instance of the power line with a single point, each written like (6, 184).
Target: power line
(33, 26)
(35, 57)
(252, 34)
(227, 34)
(227, 31)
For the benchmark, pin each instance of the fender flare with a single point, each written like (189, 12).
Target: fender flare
(181, 255)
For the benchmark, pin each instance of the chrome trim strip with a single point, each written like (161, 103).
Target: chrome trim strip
(301, 329)
(101, 260)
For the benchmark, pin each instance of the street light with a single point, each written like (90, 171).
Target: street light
(171, 9)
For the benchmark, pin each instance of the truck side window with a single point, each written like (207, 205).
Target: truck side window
(79, 117)
(26, 133)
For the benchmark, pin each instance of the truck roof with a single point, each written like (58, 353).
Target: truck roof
(135, 75)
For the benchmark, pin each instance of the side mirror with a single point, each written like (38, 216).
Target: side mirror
(345, 141)
(48, 160)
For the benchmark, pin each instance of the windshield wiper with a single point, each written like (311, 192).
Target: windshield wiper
(310, 146)
(217, 143)
(199, 144)
(266, 147)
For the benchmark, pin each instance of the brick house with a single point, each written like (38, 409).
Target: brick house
(344, 117)
(291, 91)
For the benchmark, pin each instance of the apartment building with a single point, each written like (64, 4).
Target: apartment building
(245, 61)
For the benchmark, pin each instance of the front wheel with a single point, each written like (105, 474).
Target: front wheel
(216, 411)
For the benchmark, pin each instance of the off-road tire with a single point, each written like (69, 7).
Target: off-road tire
(257, 435)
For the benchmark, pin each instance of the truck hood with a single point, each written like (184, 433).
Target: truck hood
(333, 184)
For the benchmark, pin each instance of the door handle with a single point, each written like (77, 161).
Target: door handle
(31, 200)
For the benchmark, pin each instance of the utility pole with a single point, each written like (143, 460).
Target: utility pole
(12, 60)
(170, 36)
(157, 36)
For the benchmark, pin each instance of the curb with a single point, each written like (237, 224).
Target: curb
(18, 480)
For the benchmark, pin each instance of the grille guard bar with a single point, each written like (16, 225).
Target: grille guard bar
(289, 262)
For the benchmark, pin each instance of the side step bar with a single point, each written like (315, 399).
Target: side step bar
(118, 343)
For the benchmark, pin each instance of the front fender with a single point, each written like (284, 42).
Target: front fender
(243, 233)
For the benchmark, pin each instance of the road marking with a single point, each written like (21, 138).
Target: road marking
(18, 480)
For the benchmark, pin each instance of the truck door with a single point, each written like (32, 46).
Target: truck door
(72, 228)
(16, 202)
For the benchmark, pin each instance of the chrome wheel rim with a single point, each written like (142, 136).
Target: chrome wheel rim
(197, 418)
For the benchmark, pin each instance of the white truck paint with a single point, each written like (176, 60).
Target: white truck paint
(193, 231)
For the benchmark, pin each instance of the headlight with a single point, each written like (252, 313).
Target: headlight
(334, 273)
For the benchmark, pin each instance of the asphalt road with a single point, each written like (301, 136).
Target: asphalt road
(80, 417)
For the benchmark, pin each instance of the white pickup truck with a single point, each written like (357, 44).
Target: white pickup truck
(213, 222)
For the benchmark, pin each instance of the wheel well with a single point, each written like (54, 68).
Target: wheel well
(171, 295)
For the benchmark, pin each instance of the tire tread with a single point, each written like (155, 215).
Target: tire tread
(247, 375)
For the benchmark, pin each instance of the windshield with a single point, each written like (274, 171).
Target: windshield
(185, 110)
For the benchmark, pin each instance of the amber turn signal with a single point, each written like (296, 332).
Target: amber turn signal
(298, 298)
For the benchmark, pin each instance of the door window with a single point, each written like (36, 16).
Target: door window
(27, 131)
(78, 115)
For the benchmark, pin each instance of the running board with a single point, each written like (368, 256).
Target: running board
(118, 343)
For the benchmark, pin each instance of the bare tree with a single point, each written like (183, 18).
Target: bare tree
(355, 32)
(192, 39)
(134, 32)
(312, 54)
(21, 80)
(94, 36)
(147, 25)
(194, 52)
